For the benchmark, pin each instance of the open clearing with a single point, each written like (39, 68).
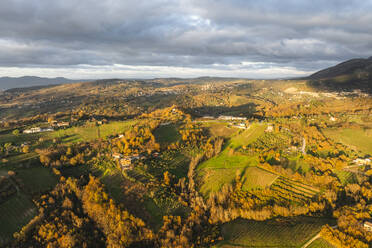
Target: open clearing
(167, 134)
(357, 139)
(290, 232)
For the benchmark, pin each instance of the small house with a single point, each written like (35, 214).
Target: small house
(126, 163)
(63, 124)
(117, 155)
(269, 129)
(368, 226)
(332, 118)
(362, 161)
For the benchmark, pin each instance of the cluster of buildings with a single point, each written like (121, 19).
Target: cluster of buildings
(126, 162)
(367, 226)
(38, 130)
(362, 161)
(231, 118)
(269, 128)
(240, 125)
(60, 124)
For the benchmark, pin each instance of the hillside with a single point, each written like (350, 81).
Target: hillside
(29, 81)
(349, 75)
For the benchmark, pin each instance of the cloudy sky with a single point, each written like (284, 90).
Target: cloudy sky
(183, 38)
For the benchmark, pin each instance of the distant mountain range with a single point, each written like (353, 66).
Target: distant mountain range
(29, 81)
(348, 75)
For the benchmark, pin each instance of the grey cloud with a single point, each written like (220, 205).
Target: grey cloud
(307, 35)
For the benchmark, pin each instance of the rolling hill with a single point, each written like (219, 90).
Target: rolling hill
(29, 81)
(349, 75)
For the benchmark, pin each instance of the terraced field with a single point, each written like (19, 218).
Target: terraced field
(293, 191)
(19, 211)
(346, 177)
(290, 232)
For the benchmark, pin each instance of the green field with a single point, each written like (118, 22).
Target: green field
(357, 139)
(257, 178)
(320, 243)
(91, 132)
(222, 169)
(15, 213)
(247, 136)
(293, 232)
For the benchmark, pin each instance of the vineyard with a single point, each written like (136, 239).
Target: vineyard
(289, 190)
(346, 177)
(290, 232)
(320, 243)
(272, 141)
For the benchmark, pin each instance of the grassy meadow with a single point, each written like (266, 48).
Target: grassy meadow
(357, 139)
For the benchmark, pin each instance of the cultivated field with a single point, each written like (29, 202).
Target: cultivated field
(15, 213)
(320, 243)
(293, 191)
(291, 232)
(346, 177)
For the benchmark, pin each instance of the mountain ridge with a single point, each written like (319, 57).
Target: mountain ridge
(349, 75)
(30, 81)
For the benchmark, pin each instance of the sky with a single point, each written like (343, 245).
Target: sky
(91, 39)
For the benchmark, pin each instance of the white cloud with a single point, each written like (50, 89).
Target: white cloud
(247, 70)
